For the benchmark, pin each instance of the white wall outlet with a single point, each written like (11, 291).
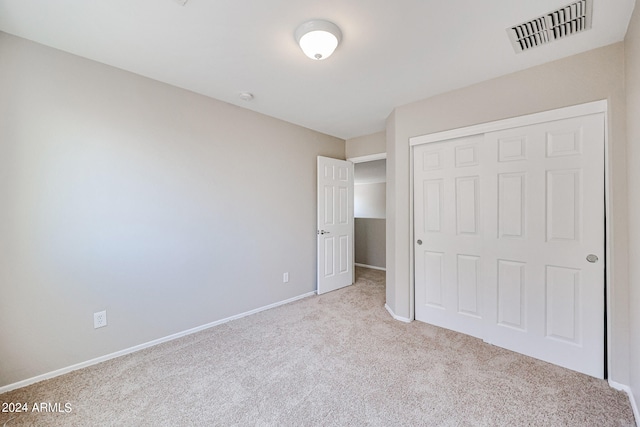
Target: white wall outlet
(285, 278)
(100, 319)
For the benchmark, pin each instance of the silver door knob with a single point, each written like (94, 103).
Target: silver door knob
(419, 242)
(592, 258)
(324, 232)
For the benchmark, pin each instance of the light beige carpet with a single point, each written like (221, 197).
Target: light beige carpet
(332, 360)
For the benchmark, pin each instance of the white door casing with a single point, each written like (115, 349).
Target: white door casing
(507, 220)
(335, 227)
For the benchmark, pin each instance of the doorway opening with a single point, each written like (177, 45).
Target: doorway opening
(370, 179)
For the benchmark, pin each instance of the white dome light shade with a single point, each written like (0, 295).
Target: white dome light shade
(318, 44)
(318, 39)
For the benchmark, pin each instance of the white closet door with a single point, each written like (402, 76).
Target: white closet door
(545, 294)
(448, 234)
(511, 225)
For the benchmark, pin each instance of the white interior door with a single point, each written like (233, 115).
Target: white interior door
(512, 231)
(335, 224)
(448, 230)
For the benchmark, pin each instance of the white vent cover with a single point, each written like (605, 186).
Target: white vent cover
(555, 25)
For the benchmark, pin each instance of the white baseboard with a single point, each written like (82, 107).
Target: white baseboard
(627, 390)
(373, 267)
(139, 347)
(402, 319)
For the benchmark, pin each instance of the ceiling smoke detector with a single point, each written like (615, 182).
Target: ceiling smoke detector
(563, 22)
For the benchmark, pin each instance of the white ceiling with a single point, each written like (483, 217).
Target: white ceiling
(392, 53)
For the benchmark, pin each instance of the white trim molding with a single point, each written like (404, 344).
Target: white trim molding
(139, 347)
(529, 119)
(627, 389)
(373, 267)
(368, 158)
(395, 316)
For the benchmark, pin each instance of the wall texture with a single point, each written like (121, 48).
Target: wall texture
(370, 242)
(168, 209)
(369, 200)
(370, 203)
(590, 76)
(632, 74)
(366, 145)
(370, 228)
(397, 268)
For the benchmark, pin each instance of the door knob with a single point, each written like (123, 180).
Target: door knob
(324, 232)
(592, 258)
(419, 242)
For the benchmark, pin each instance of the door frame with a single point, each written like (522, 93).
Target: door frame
(526, 120)
(368, 158)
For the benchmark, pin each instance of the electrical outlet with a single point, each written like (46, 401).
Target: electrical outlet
(99, 319)
(285, 278)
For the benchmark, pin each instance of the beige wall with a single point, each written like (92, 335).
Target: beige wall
(169, 209)
(366, 145)
(397, 271)
(632, 73)
(370, 200)
(370, 241)
(369, 232)
(594, 75)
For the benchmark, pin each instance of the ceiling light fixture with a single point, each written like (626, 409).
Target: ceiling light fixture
(318, 38)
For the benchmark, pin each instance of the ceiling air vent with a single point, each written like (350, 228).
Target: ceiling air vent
(555, 25)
